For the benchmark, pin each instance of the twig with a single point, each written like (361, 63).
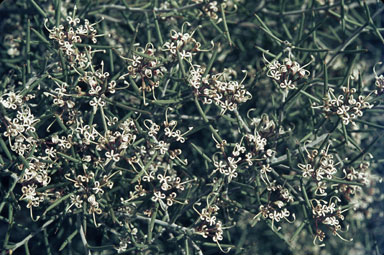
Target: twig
(26, 239)
(242, 123)
(353, 37)
(84, 240)
(133, 9)
(311, 144)
(304, 10)
(167, 225)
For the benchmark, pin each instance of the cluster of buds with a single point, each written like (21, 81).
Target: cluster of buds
(218, 89)
(345, 106)
(329, 216)
(288, 73)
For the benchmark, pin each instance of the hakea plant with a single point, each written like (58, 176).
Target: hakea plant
(129, 144)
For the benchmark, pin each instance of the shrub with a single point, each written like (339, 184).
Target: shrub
(190, 127)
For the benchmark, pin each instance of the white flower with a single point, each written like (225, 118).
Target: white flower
(51, 152)
(97, 188)
(157, 196)
(111, 155)
(307, 170)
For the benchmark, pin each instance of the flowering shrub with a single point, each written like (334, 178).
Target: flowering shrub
(190, 127)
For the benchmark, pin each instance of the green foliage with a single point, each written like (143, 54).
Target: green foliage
(190, 126)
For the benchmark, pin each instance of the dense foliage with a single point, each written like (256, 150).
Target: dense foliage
(191, 127)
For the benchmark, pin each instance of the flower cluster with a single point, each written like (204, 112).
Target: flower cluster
(319, 166)
(98, 84)
(60, 96)
(210, 226)
(329, 216)
(166, 185)
(360, 189)
(11, 100)
(218, 89)
(88, 190)
(81, 146)
(211, 9)
(32, 197)
(157, 163)
(288, 73)
(276, 209)
(71, 34)
(321, 171)
(240, 154)
(228, 166)
(20, 132)
(145, 68)
(97, 81)
(358, 174)
(19, 129)
(182, 45)
(252, 150)
(346, 106)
